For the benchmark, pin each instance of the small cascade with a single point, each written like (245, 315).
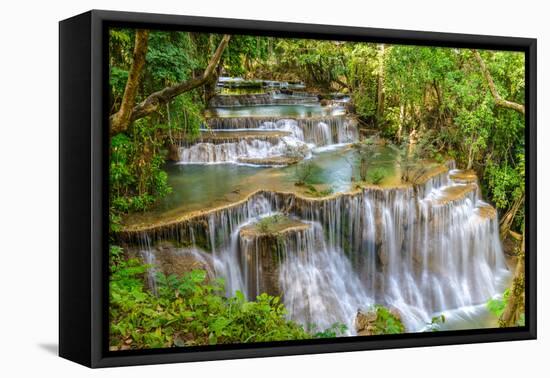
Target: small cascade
(320, 131)
(148, 256)
(301, 136)
(224, 230)
(233, 152)
(272, 98)
(240, 129)
(318, 282)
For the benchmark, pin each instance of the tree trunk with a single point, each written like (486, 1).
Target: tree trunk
(499, 101)
(153, 102)
(508, 218)
(516, 298)
(380, 91)
(401, 121)
(210, 86)
(470, 156)
(122, 118)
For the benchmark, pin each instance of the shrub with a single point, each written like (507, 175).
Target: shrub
(366, 152)
(335, 330)
(387, 322)
(378, 320)
(497, 306)
(188, 310)
(305, 172)
(267, 224)
(377, 175)
(435, 324)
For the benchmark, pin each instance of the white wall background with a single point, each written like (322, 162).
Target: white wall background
(29, 186)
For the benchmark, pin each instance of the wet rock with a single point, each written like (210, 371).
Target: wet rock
(464, 176)
(271, 161)
(350, 107)
(486, 211)
(261, 247)
(173, 152)
(368, 323)
(170, 259)
(454, 193)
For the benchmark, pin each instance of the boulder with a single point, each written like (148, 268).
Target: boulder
(367, 323)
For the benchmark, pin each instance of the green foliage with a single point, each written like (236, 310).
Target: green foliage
(365, 151)
(497, 306)
(335, 330)
(321, 64)
(305, 172)
(363, 77)
(386, 323)
(377, 175)
(314, 192)
(447, 103)
(268, 224)
(163, 51)
(436, 323)
(188, 310)
(506, 183)
(136, 176)
(245, 54)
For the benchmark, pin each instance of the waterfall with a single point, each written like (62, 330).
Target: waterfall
(422, 250)
(224, 230)
(318, 282)
(303, 136)
(341, 129)
(231, 152)
(148, 256)
(273, 98)
(324, 134)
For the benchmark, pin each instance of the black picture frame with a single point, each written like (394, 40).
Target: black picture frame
(83, 181)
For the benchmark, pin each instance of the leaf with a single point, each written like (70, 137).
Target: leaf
(239, 295)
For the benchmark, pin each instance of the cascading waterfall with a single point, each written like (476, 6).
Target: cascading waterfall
(342, 128)
(422, 250)
(318, 282)
(273, 98)
(149, 258)
(303, 136)
(223, 231)
(231, 152)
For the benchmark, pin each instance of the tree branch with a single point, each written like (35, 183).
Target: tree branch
(341, 83)
(122, 118)
(499, 101)
(156, 99)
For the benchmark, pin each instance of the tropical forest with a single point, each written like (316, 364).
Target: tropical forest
(266, 189)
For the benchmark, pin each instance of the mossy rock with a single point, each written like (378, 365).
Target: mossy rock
(378, 320)
(273, 226)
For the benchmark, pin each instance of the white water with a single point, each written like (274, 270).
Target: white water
(149, 258)
(419, 255)
(319, 283)
(210, 153)
(403, 248)
(303, 138)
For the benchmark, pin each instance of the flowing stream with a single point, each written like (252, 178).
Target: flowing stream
(305, 126)
(424, 250)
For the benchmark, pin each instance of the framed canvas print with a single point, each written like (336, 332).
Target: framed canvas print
(234, 188)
